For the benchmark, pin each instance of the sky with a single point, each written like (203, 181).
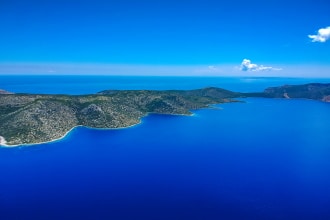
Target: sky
(166, 37)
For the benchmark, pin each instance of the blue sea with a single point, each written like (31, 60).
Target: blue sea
(266, 159)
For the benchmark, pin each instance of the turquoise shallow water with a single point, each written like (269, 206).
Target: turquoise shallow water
(262, 159)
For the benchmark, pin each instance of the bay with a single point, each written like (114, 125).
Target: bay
(260, 159)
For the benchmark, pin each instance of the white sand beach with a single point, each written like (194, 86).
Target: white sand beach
(2, 141)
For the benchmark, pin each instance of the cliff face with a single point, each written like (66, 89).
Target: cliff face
(27, 119)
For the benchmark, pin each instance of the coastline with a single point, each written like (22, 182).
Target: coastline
(3, 142)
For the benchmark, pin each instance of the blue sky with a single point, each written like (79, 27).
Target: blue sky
(196, 37)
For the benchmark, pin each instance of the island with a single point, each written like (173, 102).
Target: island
(38, 118)
(316, 91)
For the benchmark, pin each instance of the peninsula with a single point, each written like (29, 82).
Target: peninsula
(37, 118)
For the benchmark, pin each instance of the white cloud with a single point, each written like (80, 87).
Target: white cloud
(212, 68)
(322, 36)
(247, 65)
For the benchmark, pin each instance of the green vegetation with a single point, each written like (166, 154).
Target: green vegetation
(27, 119)
(316, 91)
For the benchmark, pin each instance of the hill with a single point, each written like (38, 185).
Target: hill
(317, 91)
(27, 118)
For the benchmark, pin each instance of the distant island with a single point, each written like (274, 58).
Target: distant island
(316, 91)
(37, 118)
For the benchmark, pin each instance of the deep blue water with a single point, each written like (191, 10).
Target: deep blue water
(262, 159)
